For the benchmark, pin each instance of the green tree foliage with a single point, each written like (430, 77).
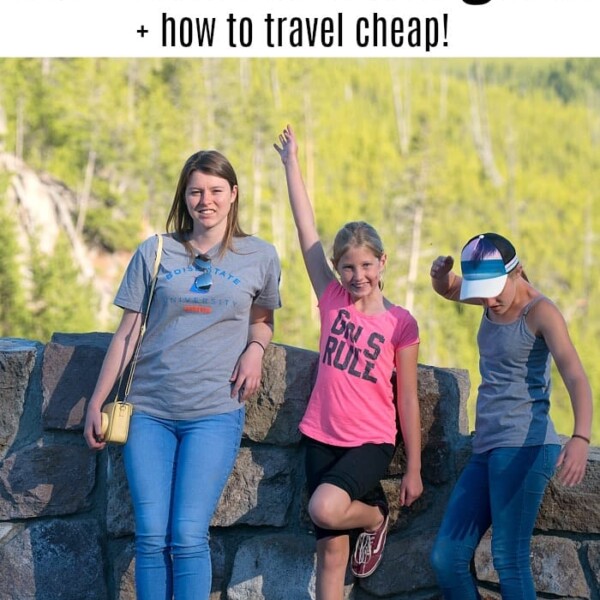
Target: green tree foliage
(430, 151)
(60, 300)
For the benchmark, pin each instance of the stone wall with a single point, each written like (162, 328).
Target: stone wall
(66, 527)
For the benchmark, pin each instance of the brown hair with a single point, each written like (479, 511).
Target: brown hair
(209, 162)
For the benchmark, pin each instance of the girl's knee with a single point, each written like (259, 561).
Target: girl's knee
(510, 555)
(323, 513)
(186, 536)
(447, 558)
(438, 559)
(510, 562)
(149, 544)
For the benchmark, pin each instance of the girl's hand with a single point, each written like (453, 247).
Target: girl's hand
(92, 431)
(572, 462)
(247, 373)
(411, 488)
(441, 266)
(289, 146)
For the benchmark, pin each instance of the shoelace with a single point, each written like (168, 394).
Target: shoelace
(364, 545)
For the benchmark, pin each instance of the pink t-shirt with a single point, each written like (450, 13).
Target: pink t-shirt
(352, 402)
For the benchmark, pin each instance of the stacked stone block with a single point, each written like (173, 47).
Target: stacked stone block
(66, 527)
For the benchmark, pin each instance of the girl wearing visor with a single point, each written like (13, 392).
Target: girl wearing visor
(515, 447)
(210, 321)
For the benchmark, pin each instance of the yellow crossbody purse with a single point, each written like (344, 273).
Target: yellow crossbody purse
(117, 414)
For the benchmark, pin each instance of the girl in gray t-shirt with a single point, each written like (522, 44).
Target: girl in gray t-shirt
(210, 321)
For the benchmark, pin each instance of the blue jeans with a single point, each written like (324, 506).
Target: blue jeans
(503, 488)
(176, 472)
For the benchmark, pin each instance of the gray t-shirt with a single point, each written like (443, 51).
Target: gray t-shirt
(195, 336)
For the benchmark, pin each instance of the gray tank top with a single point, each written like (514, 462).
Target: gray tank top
(513, 400)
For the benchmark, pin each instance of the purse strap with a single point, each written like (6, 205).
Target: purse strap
(145, 321)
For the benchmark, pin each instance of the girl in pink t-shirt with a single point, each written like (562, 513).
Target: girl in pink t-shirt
(350, 423)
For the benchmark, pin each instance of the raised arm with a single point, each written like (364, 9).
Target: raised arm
(317, 266)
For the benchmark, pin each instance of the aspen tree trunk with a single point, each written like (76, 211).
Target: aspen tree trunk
(245, 76)
(280, 202)
(415, 252)
(593, 201)
(511, 153)
(275, 86)
(3, 128)
(84, 197)
(46, 66)
(132, 79)
(588, 254)
(443, 95)
(20, 129)
(310, 179)
(278, 222)
(401, 97)
(257, 181)
(208, 105)
(480, 126)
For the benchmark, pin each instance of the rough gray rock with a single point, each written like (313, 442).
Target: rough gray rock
(66, 525)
